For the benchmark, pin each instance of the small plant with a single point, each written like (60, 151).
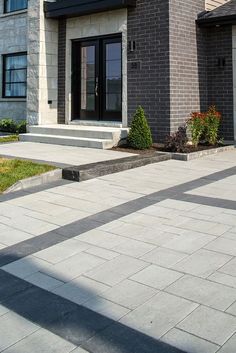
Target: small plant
(196, 125)
(177, 141)
(140, 136)
(8, 125)
(11, 126)
(205, 126)
(21, 127)
(212, 125)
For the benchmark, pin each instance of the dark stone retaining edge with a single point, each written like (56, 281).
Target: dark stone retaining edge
(195, 155)
(95, 170)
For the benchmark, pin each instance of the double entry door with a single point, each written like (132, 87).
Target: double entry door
(97, 79)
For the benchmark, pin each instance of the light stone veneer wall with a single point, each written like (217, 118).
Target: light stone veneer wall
(91, 26)
(234, 75)
(42, 66)
(13, 39)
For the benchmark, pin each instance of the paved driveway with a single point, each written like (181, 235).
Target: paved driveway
(141, 261)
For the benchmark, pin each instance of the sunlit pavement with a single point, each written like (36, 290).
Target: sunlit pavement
(135, 262)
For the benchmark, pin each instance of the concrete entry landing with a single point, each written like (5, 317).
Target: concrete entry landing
(100, 137)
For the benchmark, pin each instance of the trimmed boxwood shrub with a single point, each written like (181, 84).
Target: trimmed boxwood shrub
(21, 127)
(11, 126)
(8, 125)
(140, 136)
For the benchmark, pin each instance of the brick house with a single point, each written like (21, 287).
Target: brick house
(71, 64)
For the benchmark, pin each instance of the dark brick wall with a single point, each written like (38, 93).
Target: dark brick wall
(220, 79)
(188, 88)
(149, 85)
(61, 70)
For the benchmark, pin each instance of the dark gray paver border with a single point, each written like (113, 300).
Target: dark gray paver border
(196, 155)
(95, 170)
(72, 322)
(207, 201)
(60, 234)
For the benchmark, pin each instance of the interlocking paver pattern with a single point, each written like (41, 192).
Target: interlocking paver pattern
(123, 262)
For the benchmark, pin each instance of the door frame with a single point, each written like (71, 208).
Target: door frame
(100, 66)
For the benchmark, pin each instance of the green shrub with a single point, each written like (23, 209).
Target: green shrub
(196, 125)
(140, 136)
(21, 127)
(11, 126)
(8, 125)
(212, 125)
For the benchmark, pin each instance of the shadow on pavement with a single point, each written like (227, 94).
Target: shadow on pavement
(75, 323)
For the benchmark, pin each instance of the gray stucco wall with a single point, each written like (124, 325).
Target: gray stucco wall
(13, 39)
(148, 84)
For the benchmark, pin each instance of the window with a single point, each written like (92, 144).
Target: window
(15, 5)
(14, 75)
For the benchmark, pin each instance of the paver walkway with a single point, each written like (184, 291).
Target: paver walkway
(59, 155)
(141, 261)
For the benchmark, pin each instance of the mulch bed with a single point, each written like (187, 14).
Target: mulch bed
(158, 147)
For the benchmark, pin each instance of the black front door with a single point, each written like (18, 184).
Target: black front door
(97, 79)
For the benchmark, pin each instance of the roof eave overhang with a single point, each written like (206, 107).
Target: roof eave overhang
(76, 8)
(217, 21)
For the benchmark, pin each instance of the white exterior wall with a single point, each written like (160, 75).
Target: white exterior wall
(13, 39)
(42, 66)
(91, 26)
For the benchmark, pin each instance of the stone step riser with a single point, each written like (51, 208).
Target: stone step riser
(67, 141)
(93, 134)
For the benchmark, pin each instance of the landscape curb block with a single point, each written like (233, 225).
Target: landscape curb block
(36, 180)
(195, 155)
(95, 170)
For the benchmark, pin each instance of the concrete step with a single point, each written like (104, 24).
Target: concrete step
(100, 123)
(80, 131)
(68, 140)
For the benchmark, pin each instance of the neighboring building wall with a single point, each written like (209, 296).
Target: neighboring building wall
(42, 66)
(212, 4)
(188, 85)
(100, 24)
(220, 79)
(148, 83)
(13, 39)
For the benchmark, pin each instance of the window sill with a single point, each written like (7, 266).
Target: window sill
(12, 100)
(13, 13)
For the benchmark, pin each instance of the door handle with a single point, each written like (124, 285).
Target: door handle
(96, 87)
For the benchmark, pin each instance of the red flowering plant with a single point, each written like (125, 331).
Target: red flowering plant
(212, 125)
(205, 126)
(196, 125)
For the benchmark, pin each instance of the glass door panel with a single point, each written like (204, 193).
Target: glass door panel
(88, 78)
(113, 79)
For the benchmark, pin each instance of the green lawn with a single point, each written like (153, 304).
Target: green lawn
(13, 170)
(10, 138)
